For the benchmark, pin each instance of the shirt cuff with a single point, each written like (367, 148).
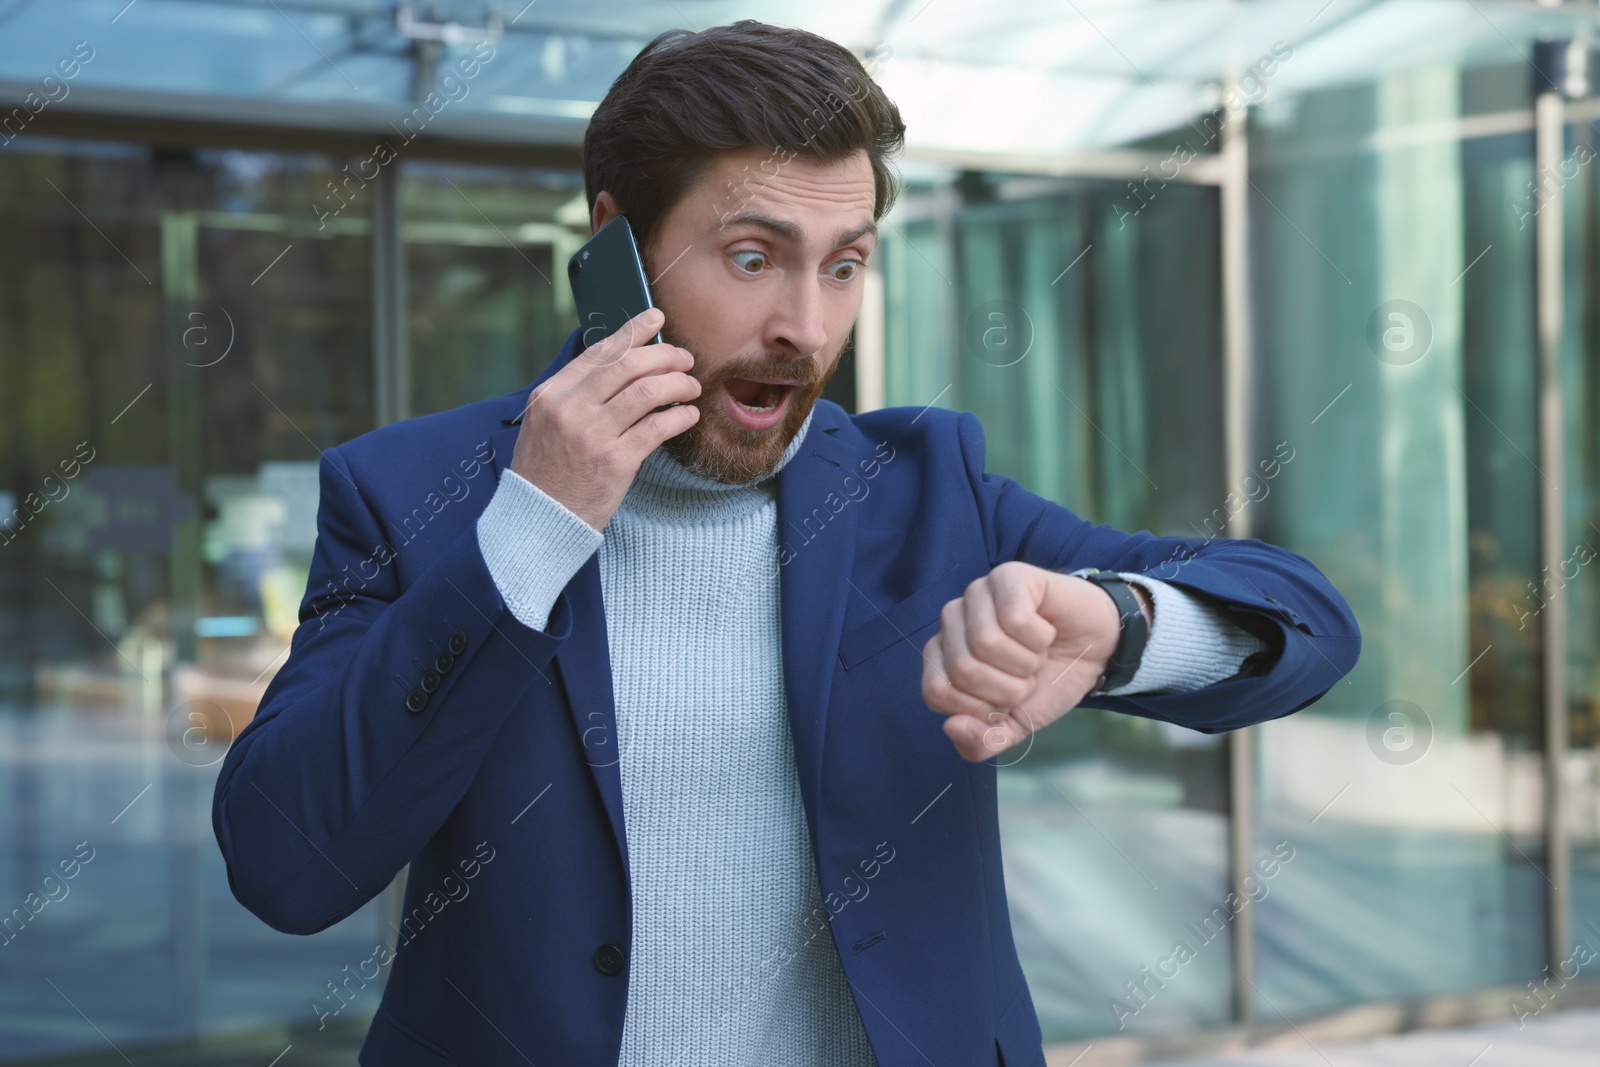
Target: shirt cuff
(533, 545)
(1192, 642)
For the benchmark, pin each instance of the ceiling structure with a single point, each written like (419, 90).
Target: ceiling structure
(1033, 77)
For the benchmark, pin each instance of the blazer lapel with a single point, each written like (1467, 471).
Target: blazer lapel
(816, 547)
(584, 661)
(816, 543)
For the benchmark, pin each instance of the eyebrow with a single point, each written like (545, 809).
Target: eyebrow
(790, 231)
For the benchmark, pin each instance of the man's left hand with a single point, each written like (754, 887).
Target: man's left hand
(1016, 651)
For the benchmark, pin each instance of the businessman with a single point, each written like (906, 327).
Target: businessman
(686, 724)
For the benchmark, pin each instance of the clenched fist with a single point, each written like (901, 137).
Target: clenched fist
(1015, 652)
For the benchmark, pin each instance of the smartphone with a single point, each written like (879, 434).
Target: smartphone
(609, 285)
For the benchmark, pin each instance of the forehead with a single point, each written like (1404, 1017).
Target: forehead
(759, 180)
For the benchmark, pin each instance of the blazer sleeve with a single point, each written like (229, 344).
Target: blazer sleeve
(339, 780)
(1280, 596)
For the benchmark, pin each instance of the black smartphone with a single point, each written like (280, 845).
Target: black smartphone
(608, 282)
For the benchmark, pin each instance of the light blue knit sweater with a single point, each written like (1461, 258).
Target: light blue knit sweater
(722, 969)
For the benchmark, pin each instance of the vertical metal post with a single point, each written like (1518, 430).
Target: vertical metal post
(1552, 75)
(391, 368)
(870, 344)
(184, 796)
(180, 281)
(1237, 371)
(391, 380)
(947, 224)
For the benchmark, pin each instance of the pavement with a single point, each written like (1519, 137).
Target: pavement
(1558, 1039)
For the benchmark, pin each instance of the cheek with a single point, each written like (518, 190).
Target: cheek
(724, 316)
(680, 302)
(701, 295)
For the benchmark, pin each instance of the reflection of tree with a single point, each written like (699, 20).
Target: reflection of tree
(1504, 616)
(1583, 689)
(1583, 710)
(1583, 653)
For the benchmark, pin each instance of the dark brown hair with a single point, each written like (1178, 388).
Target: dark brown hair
(687, 97)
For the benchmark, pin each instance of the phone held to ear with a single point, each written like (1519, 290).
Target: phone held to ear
(609, 285)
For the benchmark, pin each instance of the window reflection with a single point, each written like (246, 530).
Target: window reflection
(1412, 792)
(1579, 573)
(1091, 355)
(185, 334)
(485, 248)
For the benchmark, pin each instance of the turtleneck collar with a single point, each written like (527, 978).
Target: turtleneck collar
(666, 488)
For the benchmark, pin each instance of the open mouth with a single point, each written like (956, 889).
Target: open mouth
(758, 397)
(757, 405)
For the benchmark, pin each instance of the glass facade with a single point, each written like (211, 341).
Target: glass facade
(482, 313)
(1577, 574)
(180, 335)
(184, 329)
(1092, 355)
(165, 324)
(1393, 438)
(1417, 491)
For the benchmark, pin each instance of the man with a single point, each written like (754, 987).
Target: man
(685, 732)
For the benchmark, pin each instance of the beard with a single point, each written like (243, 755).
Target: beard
(719, 449)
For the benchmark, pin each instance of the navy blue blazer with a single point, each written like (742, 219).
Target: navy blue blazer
(417, 721)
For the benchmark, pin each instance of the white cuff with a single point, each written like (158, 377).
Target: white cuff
(1192, 642)
(533, 545)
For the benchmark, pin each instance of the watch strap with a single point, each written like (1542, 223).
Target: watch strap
(1134, 633)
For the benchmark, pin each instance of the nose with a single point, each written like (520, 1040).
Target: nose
(797, 321)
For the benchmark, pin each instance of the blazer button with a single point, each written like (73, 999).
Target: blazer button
(443, 662)
(416, 700)
(608, 959)
(430, 680)
(458, 642)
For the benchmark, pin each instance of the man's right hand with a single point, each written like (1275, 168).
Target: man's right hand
(588, 427)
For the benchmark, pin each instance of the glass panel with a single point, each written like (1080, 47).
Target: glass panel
(179, 338)
(1578, 574)
(1088, 343)
(487, 304)
(918, 295)
(1395, 340)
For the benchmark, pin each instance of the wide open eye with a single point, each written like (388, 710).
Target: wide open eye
(749, 252)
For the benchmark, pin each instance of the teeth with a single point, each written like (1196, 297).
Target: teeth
(774, 391)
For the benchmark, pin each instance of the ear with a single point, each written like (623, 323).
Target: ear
(606, 208)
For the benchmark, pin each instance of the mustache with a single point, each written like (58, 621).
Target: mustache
(806, 373)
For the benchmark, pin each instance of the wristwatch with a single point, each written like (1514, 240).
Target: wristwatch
(1135, 632)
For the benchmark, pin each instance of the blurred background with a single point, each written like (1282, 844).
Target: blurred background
(1325, 273)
